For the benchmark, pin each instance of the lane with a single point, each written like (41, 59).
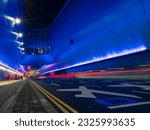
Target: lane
(8, 90)
(100, 95)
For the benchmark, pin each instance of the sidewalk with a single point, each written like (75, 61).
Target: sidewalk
(30, 100)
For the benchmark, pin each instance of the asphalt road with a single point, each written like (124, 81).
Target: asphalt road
(101, 95)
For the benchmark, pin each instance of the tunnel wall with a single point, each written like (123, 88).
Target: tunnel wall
(138, 60)
(86, 30)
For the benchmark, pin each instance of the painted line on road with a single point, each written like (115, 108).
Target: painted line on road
(95, 86)
(55, 84)
(60, 104)
(130, 105)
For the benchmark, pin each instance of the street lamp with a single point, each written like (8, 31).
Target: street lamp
(13, 20)
(20, 34)
(17, 21)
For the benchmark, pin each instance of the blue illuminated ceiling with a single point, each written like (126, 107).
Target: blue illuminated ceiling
(84, 31)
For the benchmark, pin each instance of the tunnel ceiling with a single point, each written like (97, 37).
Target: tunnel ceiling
(41, 14)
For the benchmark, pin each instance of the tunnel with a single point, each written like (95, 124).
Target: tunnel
(74, 56)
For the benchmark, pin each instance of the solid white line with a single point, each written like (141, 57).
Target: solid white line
(95, 86)
(55, 84)
(130, 105)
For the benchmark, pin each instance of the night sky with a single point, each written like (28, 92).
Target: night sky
(41, 13)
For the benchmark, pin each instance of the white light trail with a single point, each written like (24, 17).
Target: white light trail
(13, 20)
(108, 56)
(17, 34)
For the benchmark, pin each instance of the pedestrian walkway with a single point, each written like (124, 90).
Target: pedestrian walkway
(30, 100)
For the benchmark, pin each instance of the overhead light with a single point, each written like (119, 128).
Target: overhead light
(20, 34)
(17, 21)
(22, 52)
(21, 48)
(14, 33)
(21, 43)
(17, 42)
(17, 34)
(5, 1)
(9, 18)
(13, 20)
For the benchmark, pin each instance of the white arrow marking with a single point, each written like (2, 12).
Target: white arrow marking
(88, 93)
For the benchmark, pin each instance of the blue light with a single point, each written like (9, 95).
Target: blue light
(115, 101)
(5, 1)
(108, 56)
(100, 30)
(9, 53)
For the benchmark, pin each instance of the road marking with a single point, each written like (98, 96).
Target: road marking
(85, 93)
(55, 102)
(134, 82)
(60, 104)
(88, 93)
(50, 98)
(55, 84)
(95, 86)
(130, 105)
(82, 81)
(144, 87)
(141, 92)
